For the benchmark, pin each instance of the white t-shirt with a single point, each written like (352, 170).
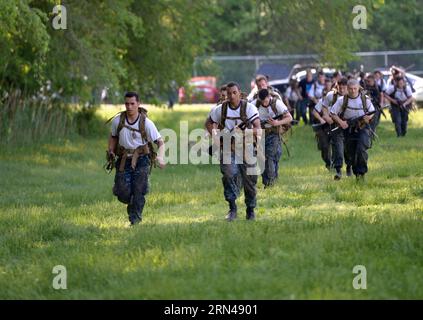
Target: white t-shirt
(317, 90)
(400, 94)
(319, 106)
(354, 108)
(132, 139)
(251, 112)
(381, 84)
(291, 94)
(212, 109)
(253, 92)
(327, 101)
(265, 113)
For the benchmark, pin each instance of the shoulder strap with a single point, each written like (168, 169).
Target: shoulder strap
(344, 106)
(274, 94)
(142, 126)
(223, 114)
(121, 122)
(258, 103)
(273, 106)
(364, 102)
(122, 119)
(344, 103)
(394, 92)
(334, 98)
(243, 111)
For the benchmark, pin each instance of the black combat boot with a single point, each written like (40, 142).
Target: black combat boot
(338, 174)
(232, 211)
(360, 177)
(250, 214)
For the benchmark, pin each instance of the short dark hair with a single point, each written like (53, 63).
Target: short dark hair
(223, 88)
(131, 94)
(263, 94)
(233, 84)
(343, 81)
(320, 73)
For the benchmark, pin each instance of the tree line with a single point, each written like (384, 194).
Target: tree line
(151, 45)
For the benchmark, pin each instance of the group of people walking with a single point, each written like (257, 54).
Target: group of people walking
(344, 113)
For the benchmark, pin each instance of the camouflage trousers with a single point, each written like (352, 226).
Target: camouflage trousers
(273, 153)
(375, 120)
(400, 119)
(356, 145)
(323, 144)
(235, 176)
(131, 186)
(337, 145)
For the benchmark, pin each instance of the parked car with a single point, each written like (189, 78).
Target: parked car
(200, 90)
(301, 74)
(280, 75)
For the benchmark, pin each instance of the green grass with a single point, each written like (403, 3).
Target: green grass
(56, 208)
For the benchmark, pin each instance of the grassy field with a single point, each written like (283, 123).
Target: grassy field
(56, 208)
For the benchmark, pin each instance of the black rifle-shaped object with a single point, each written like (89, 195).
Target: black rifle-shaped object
(401, 105)
(264, 122)
(317, 126)
(110, 162)
(242, 126)
(357, 122)
(380, 109)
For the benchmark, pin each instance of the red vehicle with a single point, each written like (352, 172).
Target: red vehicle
(201, 89)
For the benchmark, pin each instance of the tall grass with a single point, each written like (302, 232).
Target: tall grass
(26, 121)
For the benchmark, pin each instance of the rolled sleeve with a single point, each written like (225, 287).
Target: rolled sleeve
(370, 106)
(215, 115)
(114, 126)
(336, 108)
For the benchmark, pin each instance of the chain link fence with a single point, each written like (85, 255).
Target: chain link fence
(242, 69)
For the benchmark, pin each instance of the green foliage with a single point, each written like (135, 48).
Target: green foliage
(322, 27)
(150, 46)
(283, 27)
(138, 45)
(174, 33)
(87, 122)
(395, 25)
(24, 45)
